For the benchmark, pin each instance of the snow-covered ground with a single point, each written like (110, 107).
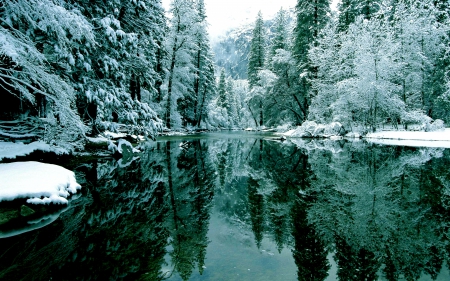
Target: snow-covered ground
(40, 183)
(411, 138)
(10, 150)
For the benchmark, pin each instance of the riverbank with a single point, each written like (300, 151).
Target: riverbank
(411, 138)
(431, 137)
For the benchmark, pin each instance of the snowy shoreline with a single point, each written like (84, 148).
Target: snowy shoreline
(11, 150)
(440, 138)
(411, 138)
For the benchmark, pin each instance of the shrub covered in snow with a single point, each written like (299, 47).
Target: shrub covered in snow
(437, 125)
(310, 129)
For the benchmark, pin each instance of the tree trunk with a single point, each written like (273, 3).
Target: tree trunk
(197, 88)
(261, 120)
(158, 82)
(169, 86)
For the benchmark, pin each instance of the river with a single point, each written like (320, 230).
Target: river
(246, 206)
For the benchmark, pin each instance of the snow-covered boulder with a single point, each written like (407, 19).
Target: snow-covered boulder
(310, 129)
(437, 125)
(298, 132)
(319, 132)
(123, 147)
(40, 183)
(334, 129)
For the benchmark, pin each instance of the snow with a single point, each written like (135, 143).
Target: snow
(98, 140)
(112, 135)
(289, 133)
(174, 133)
(411, 138)
(412, 135)
(437, 138)
(10, 150)
(126, 143)
(41, 183)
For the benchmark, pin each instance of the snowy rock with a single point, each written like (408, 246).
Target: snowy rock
(289, 133)
(98, 140)
(437, 125)
(112, 135)
(334, 129)
(319, 131)
(42, 183)
(299, 132)
(125, 148)
(311, 129)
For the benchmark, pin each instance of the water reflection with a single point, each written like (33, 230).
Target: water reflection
(209, 209)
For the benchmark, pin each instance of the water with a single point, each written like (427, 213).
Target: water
(244, 206)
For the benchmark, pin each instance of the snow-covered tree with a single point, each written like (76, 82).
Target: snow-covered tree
(281, 35)
(422, 40)
(222, 90)
(204, 80)
(123, 64)
(381, 69)
(257, 51)
(331, 68)
(347, 13)
(312, 16)
(256, 61)
(181, 70)
(37, 42)
(207, 89)
(190, 81)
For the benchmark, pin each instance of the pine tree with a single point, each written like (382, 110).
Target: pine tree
(312, 16)
(257, 59)
(279, 41)
(115, 74)
(203, 60)
(257, 51)
(347, 14)
(181, 70)
(208, 88)
(222, 90)
(39, 38)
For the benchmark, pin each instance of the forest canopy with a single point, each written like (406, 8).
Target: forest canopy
(74, 68)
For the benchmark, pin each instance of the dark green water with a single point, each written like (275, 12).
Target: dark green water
(246, 207)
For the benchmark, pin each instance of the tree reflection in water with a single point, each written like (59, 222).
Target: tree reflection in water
(379, 212)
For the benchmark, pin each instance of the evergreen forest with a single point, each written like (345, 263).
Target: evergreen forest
(71, 69)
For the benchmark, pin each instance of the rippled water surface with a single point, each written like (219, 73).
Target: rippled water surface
(245, 206)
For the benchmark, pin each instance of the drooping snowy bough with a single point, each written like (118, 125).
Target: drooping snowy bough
(39, 183)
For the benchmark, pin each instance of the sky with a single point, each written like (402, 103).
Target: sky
(226, 14)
